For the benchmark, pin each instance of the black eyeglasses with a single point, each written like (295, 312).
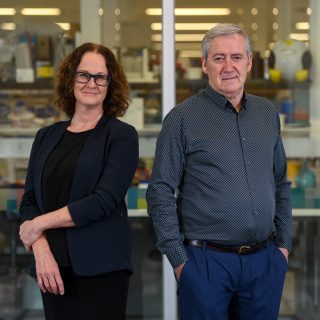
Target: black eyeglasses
(99, 79)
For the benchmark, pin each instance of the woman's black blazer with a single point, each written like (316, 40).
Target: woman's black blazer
(100, 242)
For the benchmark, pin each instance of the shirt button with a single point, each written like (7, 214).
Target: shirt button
(255, 212)
(243, 139)
(248, 162)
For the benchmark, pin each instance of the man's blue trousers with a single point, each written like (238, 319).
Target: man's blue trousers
(249, 285)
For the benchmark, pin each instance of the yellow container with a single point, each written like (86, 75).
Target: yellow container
(293, 170)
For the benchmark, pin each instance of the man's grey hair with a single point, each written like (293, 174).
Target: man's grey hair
(223, 30)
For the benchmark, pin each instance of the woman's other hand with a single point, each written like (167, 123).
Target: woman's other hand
(48, 274)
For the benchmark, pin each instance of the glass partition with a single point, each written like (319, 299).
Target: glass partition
(127, 29)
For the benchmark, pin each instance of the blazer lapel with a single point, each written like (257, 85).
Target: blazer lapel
(50, 140)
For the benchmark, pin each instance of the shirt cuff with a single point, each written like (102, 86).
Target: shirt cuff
(177, 255)
(284, 243)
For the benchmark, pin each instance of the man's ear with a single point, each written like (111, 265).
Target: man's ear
(204, 65)
(249, 63)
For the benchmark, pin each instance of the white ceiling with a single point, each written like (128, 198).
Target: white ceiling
(135, 25)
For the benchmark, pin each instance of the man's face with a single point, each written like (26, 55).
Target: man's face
(227, 65)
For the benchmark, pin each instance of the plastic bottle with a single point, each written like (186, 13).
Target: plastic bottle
(306, 177)
(152, 109)
(4, 111)
(307, 181)
(286, 107)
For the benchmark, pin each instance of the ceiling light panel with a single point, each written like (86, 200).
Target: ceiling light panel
(190, 54)
(180, 37)
(299, 36)
(40, 11)
(7, 11)
(8, 26)
(186, 26)
(302, 25)
(64, 25)
(202, 11)
(191, 11)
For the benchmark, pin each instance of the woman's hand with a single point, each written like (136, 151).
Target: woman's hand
(29, 233)
(48, 274)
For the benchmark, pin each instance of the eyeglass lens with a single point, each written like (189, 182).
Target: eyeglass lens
(99, 79)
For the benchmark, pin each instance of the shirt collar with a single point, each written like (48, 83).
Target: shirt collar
(220, 100)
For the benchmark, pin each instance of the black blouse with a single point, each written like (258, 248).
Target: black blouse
(56, 185)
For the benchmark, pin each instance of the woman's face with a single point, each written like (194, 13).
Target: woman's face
(91, 94)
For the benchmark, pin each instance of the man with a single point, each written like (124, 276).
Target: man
(227, 232)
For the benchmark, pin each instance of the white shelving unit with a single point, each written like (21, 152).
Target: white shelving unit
(302, 142)
(306, 212)
(138, 213)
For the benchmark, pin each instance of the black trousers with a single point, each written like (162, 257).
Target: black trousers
(101, 297)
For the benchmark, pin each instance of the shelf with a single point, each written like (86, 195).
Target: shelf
(301, 142)
(9, 131)
(142, 80)
(295, 212)
(150, 130)
(43, 85)
(257, 84)
(15, 147)
(298, 142)
(138, 213)
(17, 142)
(250, 85)
(28, 91)
(291, 131)
(306, 212)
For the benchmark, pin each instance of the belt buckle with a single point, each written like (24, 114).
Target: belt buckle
(243, 249)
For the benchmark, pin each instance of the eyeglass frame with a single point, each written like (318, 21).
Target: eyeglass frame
(94, 78)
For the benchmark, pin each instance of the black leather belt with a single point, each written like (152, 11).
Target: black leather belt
(217, 247)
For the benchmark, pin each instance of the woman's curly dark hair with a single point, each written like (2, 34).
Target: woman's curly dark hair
(117, 100)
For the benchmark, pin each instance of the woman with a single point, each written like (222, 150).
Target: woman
(73, 208)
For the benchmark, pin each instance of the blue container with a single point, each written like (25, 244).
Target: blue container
(132, 198)
(286, 107)
(297, 197)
